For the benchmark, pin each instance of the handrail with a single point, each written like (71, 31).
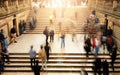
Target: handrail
(7, 14)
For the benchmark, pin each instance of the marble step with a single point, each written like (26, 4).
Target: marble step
(59, 64)
(63, 54)
(72, 70)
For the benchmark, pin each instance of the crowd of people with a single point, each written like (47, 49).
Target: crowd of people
(102, 39)
(4, 52)
(43, 55)
(22, 26)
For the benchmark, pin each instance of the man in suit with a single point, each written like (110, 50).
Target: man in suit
(36, 68)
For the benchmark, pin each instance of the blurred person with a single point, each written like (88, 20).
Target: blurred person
(36, 68)
(113, 56)
(97, 66)
(62, 39)
(13, 34)
(105, 66)
(46, 33)
(5, 42)
(5, 55)
(32, 56)
(97, 45)
(87, 46)
(47, 50)
(51, 35)
(43, 57)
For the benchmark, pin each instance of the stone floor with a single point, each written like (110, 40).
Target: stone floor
(26, 40)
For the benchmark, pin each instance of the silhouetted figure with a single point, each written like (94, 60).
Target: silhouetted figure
(5, 55)
(46, 33)
(106, 24)
(52, 35)
(36, 68)
(87, 46)
(97, 66)
(1, 36)
(20, 27)
(24, 25)
(105, 66)
(109, 32)
(113, 56)
(1, 64)
(47, 50)
(109, 43)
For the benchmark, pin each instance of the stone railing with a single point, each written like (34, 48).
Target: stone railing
(108, 10)
(12, 9)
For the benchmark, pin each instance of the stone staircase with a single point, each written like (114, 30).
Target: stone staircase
(68, 22)
(58, 62)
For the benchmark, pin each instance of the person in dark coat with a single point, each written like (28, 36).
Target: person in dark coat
(113, 56)
(109, 43)
(36, 68)
(1, 64)
(52, 35)
(87, 46)
(5, 54)
(97, 66)
(1, 36)
(46, 33)
(105, 66)
(109, 32)
(106, 24)
(47, 50)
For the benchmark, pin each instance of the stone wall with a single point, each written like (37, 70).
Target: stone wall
(7, 23)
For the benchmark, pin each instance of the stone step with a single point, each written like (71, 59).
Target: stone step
(58, 62)
(60, 65)
(64, 54)
(62, 70)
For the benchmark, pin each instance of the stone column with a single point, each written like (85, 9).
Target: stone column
(6, 5)
(115, 4)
